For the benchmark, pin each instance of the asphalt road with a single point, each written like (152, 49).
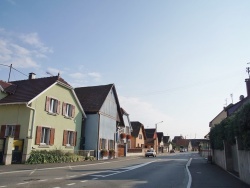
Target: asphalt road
(162, 171)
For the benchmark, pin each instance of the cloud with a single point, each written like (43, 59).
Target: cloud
(95, 75)
(21, 50)
(77, 75)
(142, 111)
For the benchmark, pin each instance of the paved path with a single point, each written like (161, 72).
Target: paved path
(207, 175)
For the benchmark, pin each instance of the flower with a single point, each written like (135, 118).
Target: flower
(123, 135)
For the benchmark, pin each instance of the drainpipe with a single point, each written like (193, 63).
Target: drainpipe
(98, 141)
(33, 120)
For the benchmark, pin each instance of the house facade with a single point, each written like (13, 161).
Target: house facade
(152, 139)
(138, 135)
(104, 117)
(43, 114)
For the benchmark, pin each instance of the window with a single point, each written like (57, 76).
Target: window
(69, 138)
(140, 136)
(52, 105)
(111, 144)
(102, 143)
(10, 131)
(68, 110)
(45, 135)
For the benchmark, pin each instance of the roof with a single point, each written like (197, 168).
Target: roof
(93, 97)
(136, 126)
(166, 139)
(124, 112)
(23, 91)
(4, 84)
(236, 106)
(160, 136)
(182, 142)
(150, 133)
(177, 138)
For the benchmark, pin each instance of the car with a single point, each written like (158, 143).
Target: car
(150, 152)
(172, 151)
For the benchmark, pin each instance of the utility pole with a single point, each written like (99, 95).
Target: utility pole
(10, 72)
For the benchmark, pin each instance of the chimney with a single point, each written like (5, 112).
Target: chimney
(241, 97)
(32, 76)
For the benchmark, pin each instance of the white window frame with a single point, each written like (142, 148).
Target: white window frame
(140, 136)
(53, 103)
(69, 110)
(70, 138)
(45, 136)
(9, 131)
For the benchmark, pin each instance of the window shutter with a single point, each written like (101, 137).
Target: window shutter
(58, 107)
(2, 132)
(63, 109)
(47, 104)
(65, 135)
(100, 144)
(38, 135)
(52, 136)
(75, 138)
(17, 131)
(73, 111)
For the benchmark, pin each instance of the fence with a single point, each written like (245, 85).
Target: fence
(85, 153)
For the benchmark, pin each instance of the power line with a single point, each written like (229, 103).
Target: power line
(11, 67)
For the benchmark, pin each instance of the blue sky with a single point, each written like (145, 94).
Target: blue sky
(171, 61)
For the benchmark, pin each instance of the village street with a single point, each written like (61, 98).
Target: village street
(162, 171)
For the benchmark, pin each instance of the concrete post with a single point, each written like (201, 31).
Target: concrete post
(7, 156)
(26, 149)
(238, 157)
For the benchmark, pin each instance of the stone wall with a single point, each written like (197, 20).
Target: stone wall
(244, 166)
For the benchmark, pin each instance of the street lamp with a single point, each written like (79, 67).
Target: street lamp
(157, 124)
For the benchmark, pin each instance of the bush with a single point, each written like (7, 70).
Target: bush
(54, 156)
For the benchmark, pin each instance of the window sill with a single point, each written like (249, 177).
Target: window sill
(53, 114)
(43, 146)
(67, 117)
(69, 147)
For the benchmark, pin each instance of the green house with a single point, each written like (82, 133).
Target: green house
(41, 114)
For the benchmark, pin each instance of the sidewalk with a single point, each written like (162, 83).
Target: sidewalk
(210, 175)
(21, 167)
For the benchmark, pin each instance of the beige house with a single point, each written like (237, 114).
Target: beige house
(138, 135)
(41, 114)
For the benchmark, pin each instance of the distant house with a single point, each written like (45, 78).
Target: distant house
(174, 141)
(198, 144)
(41, 114)
(160, 141)
(167, 144)
(127, 128)
(104, 118)
(138, 135)
(183, 143)
(152, 140)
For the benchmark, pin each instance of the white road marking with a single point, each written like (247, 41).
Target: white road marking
(22, 183)
(43, 180)
(3, 186)
(71, 184)
(32, 172)
(62, 167)
(72, 176)
(189, 174)
(94, 178)
(56, 187)
(84, 181)
(58, 178)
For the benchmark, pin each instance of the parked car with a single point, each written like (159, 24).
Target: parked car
(150, 152)
(172, 151)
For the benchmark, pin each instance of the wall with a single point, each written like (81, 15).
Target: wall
(59, 122)
(244, 166)
(91, 131)
(222, 115)
(17, 114)
(219, 158)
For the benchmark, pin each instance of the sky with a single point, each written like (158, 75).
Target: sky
(179, 62)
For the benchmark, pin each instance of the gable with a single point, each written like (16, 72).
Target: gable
(109, 106)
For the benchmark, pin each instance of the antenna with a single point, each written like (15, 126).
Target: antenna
(232, 98)
(248, 70)
(47, 72)
(226, 102)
